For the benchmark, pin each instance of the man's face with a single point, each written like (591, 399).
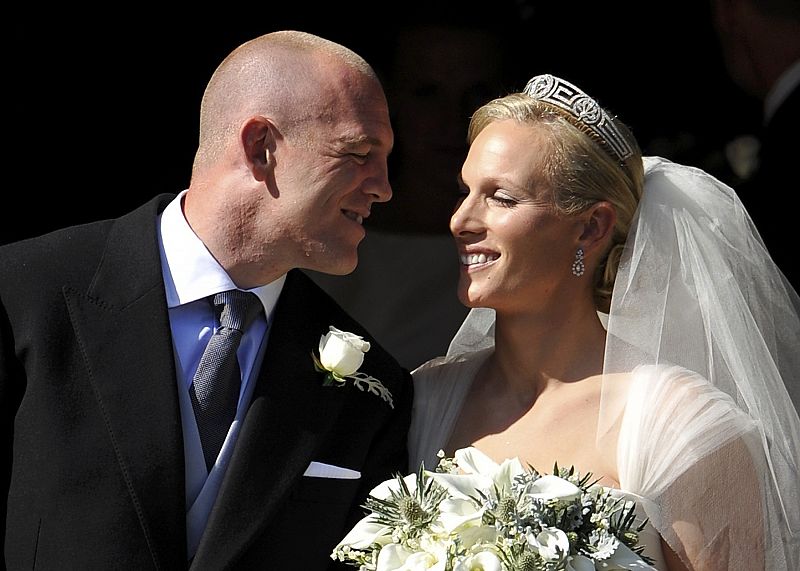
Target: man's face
(329, 172)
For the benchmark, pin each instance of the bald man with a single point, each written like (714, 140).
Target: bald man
(103, 326)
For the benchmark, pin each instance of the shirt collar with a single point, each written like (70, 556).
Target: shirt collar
(189, 270)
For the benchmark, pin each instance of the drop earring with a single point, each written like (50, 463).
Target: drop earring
(578, 266)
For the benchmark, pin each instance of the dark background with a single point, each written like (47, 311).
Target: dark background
(103, 107)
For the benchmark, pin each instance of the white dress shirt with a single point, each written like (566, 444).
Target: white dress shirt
(191, 274)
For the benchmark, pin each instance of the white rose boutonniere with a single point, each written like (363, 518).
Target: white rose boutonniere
(340, 355)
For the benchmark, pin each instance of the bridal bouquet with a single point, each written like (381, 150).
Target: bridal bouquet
(472, 514)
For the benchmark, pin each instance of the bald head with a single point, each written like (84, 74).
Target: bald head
(283, 75)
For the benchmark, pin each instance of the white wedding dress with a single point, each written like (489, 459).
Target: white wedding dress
(670, 419)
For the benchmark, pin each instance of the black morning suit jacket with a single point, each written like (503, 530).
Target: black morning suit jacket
(91, 430)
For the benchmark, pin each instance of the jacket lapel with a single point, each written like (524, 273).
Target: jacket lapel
(122, 326)
(290, 414)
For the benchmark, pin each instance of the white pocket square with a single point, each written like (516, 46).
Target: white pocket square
(322, 470)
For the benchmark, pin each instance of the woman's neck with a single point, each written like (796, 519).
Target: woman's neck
(537, 352)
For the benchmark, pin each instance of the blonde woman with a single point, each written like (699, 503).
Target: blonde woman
(626, 320)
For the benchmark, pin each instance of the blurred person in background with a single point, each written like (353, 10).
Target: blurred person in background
(760, 45)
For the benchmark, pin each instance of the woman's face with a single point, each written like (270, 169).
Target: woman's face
(515, 250)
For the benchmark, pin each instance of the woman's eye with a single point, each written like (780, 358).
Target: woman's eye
(503, 200)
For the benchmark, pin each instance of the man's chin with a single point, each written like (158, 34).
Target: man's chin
(339, 267)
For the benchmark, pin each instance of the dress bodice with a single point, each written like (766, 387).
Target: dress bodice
(440, 386)
(671, 419)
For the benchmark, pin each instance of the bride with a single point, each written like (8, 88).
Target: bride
(627, 320)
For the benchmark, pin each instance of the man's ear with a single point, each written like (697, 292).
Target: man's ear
(598, 226)
(258, 144)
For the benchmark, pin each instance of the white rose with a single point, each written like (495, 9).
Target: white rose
(342, 353)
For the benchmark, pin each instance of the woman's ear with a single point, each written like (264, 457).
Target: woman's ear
(258, 143)
(598, 226)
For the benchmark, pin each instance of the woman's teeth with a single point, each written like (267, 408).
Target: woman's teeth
(472, 259)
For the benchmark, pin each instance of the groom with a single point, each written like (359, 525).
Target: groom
(103, 329)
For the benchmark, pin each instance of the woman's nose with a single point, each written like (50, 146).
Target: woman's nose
(466, 218)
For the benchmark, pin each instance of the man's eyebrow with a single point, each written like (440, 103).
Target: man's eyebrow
(348, 142)
(359, 140)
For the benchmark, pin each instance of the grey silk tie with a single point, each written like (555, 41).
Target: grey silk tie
(215, 387)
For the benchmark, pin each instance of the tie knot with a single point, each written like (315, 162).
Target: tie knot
(236, 308)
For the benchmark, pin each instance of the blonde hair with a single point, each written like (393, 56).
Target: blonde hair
(579, 169)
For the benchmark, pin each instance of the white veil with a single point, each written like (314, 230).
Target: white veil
(697, 289)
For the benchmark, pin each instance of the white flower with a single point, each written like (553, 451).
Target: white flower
(395, 557)
(550, 487)
(456, 514)
(551, 543)
(383, 490)
(342, 353)
(368, 531)
(478, 538)
(480, 473)
(483, 561)
(340, 356)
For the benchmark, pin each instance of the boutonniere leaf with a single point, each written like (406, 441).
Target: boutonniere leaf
(340, 356)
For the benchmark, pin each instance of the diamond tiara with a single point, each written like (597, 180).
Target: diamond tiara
(563, 94)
